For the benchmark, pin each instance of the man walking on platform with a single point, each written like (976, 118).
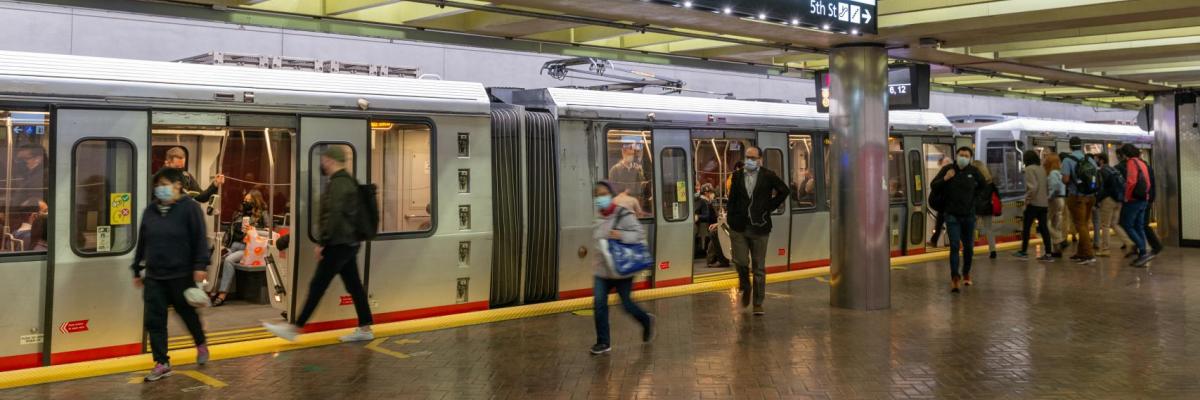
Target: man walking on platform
(1081, 174)
(337, 252)
(754, 193)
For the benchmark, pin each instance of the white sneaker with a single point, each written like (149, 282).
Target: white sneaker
(286, 331)
(360, 334)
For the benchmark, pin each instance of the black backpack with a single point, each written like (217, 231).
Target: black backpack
(1086, 176)
(366, 227)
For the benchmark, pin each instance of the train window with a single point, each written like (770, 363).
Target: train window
(24, 196)
(675, 195)
(103, 212)
(401, 165)
(773, 160)
(318, 181)
(1093, 148)
(915, 167)
(630, 169)
(897, 179)
(802, 181)
(1004, 162)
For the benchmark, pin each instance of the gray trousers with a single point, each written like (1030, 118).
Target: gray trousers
(749, 247)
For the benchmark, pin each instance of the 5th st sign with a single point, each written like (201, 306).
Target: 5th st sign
(845, 15)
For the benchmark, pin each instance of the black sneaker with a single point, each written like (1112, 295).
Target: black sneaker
(992, 256)
(650, 331)
(745, 298)
(599, 348)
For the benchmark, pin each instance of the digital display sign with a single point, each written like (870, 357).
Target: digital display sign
(848, 16)
(908, 88)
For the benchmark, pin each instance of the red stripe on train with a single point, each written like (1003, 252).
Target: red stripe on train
(673, 282)
(809, 264)
(9, 363)
(400, 316)
(68, 357)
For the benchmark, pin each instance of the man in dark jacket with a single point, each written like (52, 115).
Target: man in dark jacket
(706, 224)
(963, 187)
(177, 158)
(754, 192)
(337, 252)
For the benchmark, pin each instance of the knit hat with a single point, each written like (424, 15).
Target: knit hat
(334, 153)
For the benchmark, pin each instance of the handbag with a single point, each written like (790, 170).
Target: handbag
(626, 259)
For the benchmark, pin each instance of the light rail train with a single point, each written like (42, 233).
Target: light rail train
(484, 195)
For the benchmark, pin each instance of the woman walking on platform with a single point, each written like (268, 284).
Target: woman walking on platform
(618, 223)
(1037, 192)
(1057, 204)
(984, 210)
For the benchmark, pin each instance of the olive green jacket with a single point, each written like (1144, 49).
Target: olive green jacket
(339, 210)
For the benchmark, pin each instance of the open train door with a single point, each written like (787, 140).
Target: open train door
(316, 135)
(673, 192)
(774, 154)
(100, 188)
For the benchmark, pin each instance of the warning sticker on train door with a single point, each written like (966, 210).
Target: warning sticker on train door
(120, 211)
(103, 238)
(681, 191)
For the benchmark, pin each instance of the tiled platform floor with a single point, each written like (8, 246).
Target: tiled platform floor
(1027, 330)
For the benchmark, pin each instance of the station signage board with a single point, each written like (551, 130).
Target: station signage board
(854, 16)
(908, 88)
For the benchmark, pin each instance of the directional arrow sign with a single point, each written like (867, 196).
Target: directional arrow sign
(847, 16)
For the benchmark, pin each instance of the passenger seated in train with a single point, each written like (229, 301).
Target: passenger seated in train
(177, 158)
(708, 220)
(31, 235)
(252, 216)
(804, 188)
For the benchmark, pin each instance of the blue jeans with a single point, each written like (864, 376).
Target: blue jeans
(600, 305)
(961, 231)
(229, 268)
(1133, 220)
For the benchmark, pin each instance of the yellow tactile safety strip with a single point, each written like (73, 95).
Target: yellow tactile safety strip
(58, 373)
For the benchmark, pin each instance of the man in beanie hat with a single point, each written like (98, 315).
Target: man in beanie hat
(337, 250)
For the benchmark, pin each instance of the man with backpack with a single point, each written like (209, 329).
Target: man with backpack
(347, 218)
(1138, 186)
(1110, 198)
(1082, 176)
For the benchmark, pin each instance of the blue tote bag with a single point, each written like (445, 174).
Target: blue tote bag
(627, 258)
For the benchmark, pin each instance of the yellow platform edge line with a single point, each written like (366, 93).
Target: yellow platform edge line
(142, 362)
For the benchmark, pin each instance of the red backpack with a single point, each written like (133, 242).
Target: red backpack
(997, 205)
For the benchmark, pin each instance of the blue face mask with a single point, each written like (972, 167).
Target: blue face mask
(164, 193)
(603, 202)
(963, 162)
(751, 165)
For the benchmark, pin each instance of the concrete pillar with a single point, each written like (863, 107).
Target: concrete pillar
(858, 121)
(1165, 161)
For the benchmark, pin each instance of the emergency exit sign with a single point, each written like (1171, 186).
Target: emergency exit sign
(846, 16)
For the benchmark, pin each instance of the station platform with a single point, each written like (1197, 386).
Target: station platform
(1027, 329)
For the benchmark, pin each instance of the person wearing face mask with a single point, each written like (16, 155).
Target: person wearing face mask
(177, 158)
(337, 252)
(963, 187)
(252, 217)
(171, 257)
(615, 222)
(627, 175)
(754, 192)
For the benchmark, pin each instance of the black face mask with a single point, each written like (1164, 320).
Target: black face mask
(247, 207)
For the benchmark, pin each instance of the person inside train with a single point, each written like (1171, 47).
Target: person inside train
(1057, 204)
(755, 192)
(1037, 193)
(337, 250)
(627, 174)
(1110, 198)
(32, 233)
(252, 216)
(615, 222)
(29, 175)
(1077, 167)
(984, 209)
(962, 187)
(172, 256)
(707, 220)
(1138, 190)
(804, 190)
(177, 158)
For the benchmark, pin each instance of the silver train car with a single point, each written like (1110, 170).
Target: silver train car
(484, 194)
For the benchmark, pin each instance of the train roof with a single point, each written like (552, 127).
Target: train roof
(577, 103)
(1063, 127)
(122, 81)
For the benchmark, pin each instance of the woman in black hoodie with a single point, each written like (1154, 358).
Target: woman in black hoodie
(172, 255)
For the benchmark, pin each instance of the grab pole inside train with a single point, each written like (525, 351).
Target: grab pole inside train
(858, 122)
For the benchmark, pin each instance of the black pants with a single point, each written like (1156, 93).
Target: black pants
(939, 225)
(157, 294)
(340, 260)
(1032, 213)
(1151, 236)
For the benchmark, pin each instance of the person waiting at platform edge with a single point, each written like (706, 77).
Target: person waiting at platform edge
(615, 222)
(1138, 186)
(177, 158)
(1037, 195)
(254, 211)
(754, 192)
(337, 252)
(1057, 202)
(1080, 173)
(174, 248)
(963, 187)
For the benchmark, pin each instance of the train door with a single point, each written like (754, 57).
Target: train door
(630, 158)
(717, 155)
(897, 195)
(101, 187)
(23, 238)
(675, 221)
(249, 275)
(809, 246)
(774, 155)
(938, 153)
(317, 135)
(913, 234)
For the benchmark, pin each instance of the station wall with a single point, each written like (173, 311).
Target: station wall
(81, 31)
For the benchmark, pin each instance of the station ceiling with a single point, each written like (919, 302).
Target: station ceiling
(1098, 52)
